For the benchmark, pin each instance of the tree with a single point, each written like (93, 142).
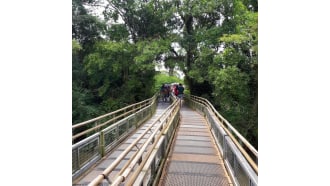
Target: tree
(115, 75)
(214, 42)
(143, 19)
(87, 29)
(238, 70)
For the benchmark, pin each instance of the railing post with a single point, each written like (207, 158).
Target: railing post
(117, 132)
(235, 168)
(95, 125)
(78, 159)
(135, 120)
(224, 146)
(102, 146)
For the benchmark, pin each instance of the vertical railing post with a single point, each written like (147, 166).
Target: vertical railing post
(117, 132)
(225, 148)
(127, 126)
(78, 159)
(96, 125)
(235, 165)
(135, 120)
(102, 146)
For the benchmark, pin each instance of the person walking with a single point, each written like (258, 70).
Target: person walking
(163, 93)
(180, 92)
(175, 90)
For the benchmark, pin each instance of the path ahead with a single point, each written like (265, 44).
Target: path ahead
(194, 158)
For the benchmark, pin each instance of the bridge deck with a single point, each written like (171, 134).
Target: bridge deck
(194, 159)
(107, 160)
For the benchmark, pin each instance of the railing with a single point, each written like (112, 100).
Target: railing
(87, 128)
(242, 168)
(87, 151)
(145, 165)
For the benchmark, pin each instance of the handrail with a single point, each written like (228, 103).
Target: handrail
(223, 121)
(133, 160)
(102, 124)
(127, 110)
(248, 145)
(108, 114)
(133, 178)
(90, 149)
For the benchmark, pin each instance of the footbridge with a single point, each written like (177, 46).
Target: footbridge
(180, 142)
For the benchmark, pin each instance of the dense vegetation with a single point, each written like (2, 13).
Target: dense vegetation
(214, 42)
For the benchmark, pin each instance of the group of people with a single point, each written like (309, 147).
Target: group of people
(166, 89)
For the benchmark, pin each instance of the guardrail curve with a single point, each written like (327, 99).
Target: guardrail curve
(242, 168)
(109, 130)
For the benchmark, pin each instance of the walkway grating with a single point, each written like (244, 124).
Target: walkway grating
(194, 159)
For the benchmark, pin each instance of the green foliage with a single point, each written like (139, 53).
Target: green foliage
(117, 32)
(75, 46)
(77, 73)
(235, 81)
(228, 78)
(233, 38)
(149, 50)
(86, 28)
(231, 84)
(143, 19)
(83, 107)
(116, 77)
(216, 47)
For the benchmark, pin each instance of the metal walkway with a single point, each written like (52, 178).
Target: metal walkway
(107, 160)
(194, 158)
(175, 146)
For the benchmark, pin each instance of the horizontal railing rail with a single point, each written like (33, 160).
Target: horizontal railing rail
(84, 129)
(233, 146)
(151, 154)
(87, 151)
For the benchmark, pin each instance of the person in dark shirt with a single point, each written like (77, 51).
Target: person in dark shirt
(180, 90)
(163, 93)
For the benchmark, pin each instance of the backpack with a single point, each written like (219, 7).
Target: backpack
(176, 91)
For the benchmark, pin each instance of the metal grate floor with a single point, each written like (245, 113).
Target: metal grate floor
(193, 180)
(194, 159)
